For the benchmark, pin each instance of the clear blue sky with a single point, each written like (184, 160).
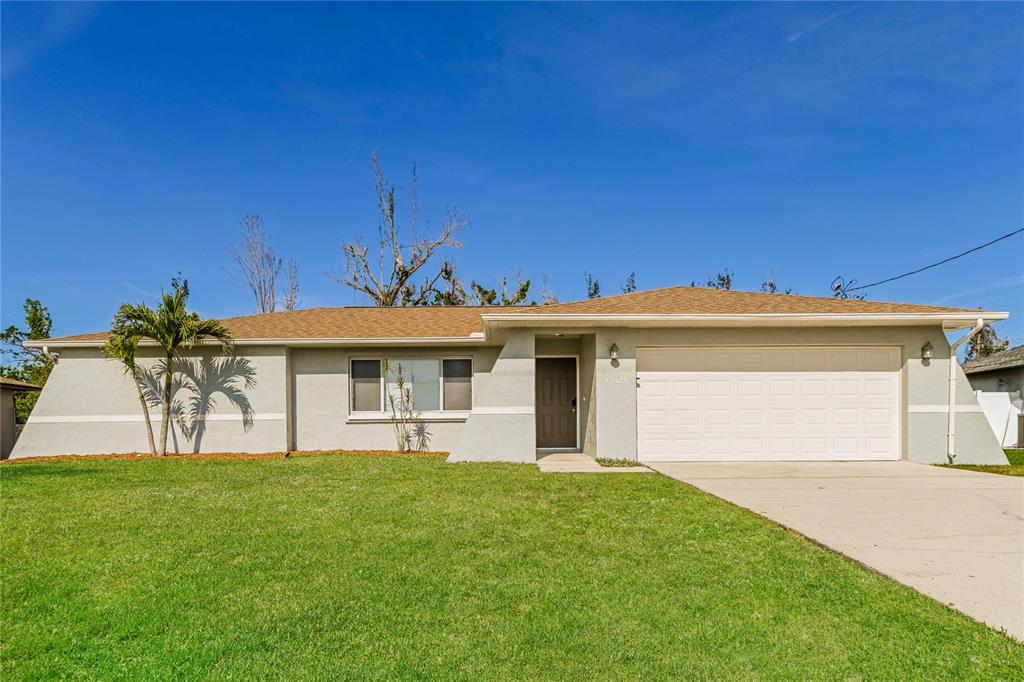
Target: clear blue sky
(811, 140)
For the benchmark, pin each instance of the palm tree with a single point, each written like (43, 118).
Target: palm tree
(123, 346)
(173, 329)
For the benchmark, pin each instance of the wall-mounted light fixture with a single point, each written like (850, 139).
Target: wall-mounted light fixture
(613, 352)
(926, 351)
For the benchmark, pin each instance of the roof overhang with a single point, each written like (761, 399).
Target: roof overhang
(946, 320)
(494, 322)
(474, 339)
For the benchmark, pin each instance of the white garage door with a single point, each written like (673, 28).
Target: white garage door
(780, 403)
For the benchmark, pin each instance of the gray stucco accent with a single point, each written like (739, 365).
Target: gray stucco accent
(320, 398)
(301, 397)
(89, 406)
(502, 425)
(924, 384)
(998, 380)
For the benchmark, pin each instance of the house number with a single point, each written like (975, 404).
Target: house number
(616, 380)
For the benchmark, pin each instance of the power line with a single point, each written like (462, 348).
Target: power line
(941, 262)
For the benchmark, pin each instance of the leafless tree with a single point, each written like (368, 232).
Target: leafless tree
(290, 300)
(546, 294)
(256, 263)
(389, 281)
(259, 267)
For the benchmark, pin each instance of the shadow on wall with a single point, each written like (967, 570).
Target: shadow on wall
(204, 379)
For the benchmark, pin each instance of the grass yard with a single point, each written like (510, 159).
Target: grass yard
(388, 567)
(1015, 468)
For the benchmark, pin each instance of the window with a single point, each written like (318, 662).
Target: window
(434, 384)
(366, 393)
(458, 384)
(421, 377)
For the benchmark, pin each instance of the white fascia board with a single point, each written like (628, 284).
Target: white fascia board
(418, 341)
(948, 320)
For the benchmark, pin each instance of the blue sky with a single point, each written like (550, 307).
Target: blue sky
(808, 140)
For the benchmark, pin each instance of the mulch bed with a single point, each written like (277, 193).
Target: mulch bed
(142, 456)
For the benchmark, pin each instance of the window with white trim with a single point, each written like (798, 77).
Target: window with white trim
(436, 384)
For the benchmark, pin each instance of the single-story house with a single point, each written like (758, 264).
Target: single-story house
(1000, 372)
(670, 374)
(998, 381)
(8, 414)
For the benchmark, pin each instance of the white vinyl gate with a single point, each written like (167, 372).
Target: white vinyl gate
(768, 403)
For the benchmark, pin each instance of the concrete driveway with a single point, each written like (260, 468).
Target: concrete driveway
(956, 536)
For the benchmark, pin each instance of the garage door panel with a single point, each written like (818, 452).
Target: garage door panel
(831, 403)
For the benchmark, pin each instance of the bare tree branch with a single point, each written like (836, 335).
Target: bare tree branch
(256, 264)
(390, 283)
(291, 288)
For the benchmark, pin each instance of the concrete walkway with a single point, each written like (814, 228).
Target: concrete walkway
(956, 536)
(578, 463)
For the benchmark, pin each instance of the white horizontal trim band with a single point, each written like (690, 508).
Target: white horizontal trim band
(525, 409)
(115, 418)
(942, 408)
(386, 417)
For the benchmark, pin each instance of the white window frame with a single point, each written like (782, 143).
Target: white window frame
(383, 415)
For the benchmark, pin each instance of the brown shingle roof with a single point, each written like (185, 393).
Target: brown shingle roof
(697, 301)
(17, 384)
(1005, 359)
(347, 323)
(462, 321)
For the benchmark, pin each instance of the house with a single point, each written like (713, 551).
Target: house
(1000, 372)
(8, 422)
(998, 381)
(669, 374)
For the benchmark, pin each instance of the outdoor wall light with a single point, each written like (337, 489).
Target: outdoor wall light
(613, 352)
(926, 351)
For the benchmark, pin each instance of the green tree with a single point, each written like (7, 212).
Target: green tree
(27, 364)
(173, 328)
(630, 285)
(122, 345)
(503, 296)
(986, 342)
(770, 286)
(723, 280)
(593, 287)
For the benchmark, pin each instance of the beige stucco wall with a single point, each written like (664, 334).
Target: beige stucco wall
(501, 426)
(320, 398)
(89, 406)
(924, 384)
(301, 397)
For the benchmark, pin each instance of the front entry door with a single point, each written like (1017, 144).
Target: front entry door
(556, 402)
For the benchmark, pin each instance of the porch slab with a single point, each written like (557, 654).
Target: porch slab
(579, 463)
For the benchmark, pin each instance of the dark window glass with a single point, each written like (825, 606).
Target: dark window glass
(458, 384)
(366, 386)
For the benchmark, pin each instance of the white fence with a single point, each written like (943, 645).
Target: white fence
(1002, 411)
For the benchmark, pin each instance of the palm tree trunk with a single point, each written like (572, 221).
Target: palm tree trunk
(167, 406)
(145, 412)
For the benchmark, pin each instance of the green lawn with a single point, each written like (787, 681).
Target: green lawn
(1015, 468)
(359, 567)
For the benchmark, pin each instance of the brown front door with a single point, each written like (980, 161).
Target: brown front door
(556, 402)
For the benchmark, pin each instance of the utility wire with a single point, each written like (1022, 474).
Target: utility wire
(941, 262)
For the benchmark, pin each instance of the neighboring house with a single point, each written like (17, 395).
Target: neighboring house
(670, 374)
(998, 380)
(8, 422)
(999, 372)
